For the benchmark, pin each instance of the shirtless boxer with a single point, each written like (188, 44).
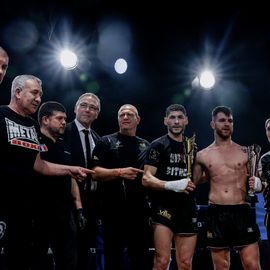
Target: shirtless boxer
(231, 222)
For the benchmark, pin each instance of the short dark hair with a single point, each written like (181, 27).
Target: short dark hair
(48, 108)
(174, 108)
(224, 109)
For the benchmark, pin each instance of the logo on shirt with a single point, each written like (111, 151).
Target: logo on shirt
(154, 155)
(21, 135)
(142, 145)
(43, 148)
(175, 168)
(117, 144)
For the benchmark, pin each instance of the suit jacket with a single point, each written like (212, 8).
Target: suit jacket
(90, 199)
(73, 141)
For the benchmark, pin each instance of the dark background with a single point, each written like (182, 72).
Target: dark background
(169, 43)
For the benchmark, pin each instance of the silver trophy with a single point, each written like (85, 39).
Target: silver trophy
(253, 159)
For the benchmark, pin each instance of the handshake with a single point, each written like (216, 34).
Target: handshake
(183, 185)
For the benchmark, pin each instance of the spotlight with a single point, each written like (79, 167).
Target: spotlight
(207, 80)
(68, 59)
(120, 66)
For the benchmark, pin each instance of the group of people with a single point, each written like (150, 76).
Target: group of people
(61, 180)
(23, 167)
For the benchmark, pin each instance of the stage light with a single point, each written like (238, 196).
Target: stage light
(207, 80)
(68, 59)
(120, 66)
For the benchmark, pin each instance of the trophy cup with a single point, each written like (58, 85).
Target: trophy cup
(190, 149)
(253, 159)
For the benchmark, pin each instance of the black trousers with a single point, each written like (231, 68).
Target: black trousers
(127, 238)
(59, 233)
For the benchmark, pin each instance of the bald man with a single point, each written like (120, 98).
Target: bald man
(117, 162)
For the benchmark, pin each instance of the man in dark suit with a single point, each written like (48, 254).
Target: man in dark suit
(81, 140)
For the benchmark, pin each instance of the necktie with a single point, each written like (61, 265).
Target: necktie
(88, 148)
(92, 184)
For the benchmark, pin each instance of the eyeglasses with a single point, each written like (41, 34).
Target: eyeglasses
(89, 106)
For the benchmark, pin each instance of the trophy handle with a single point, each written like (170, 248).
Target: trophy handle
(189, 149)
(253, 160)
(257, 150)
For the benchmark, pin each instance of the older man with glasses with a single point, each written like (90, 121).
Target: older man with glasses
(81, 140)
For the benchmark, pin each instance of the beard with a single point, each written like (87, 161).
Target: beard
(55, 132)
(178, 132)
(221, 134)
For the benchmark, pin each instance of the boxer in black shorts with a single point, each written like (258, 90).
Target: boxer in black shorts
(231, 226)
(231, 223)
(174, 213)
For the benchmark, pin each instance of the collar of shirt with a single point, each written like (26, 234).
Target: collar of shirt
(81, 127)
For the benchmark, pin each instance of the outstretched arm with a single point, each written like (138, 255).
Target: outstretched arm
(48, 168)
(104, 174)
